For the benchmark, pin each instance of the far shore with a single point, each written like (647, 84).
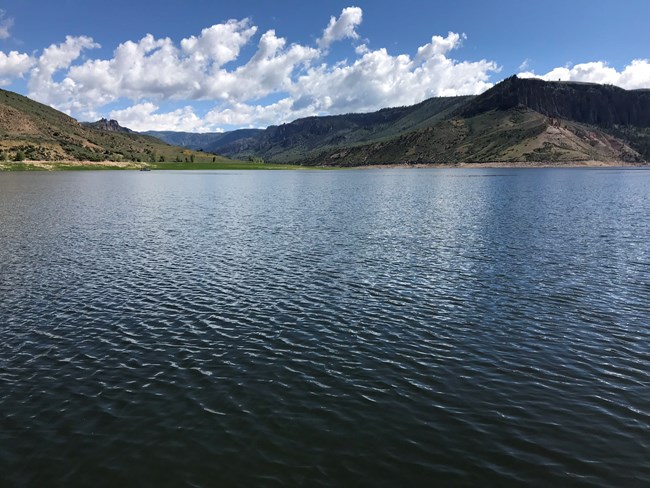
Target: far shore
(244, 165)
(134, 166)
(513, 164)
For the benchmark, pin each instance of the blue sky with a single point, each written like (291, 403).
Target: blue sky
(205, 65)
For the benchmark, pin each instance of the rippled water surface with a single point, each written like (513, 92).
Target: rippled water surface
(379, 328)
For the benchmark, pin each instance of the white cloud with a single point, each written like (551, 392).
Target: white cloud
(269, 71)
(635, 75)
(156, 69)
(378, 79)
(42, 86)
(278, 83)
(5, 24)
(220, 43)
(256, 115)
(143, 117)
(148, 68)
(342, 28)
(361, 49)
(439, 46)
(13, 65)
(525, 65)
(375, 80)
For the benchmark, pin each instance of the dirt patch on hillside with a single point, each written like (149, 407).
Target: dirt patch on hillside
(13, 121)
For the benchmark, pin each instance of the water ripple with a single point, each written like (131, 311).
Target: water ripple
(342, 328)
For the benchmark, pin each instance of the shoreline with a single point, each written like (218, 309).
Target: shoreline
(49, 166)
(514, 164)
(10, 166)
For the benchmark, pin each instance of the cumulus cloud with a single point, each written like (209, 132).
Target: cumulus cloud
(13, 65)
(279, 82)
(270, 70)
(378, 79)
(6, 23)
(258, 115)
(158, 69)
(148, 68)
(342, 28)
(144, 116)
(375, 80)
(220, 43)
(55, 58)
(634, 76)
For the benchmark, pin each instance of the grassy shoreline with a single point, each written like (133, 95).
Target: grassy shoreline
(514, 164)
(131, 166)
(244, 165)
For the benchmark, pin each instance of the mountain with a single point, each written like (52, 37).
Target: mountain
(294, 142)
(210, 142)
(107, 125)
(516, 120)
(590, 103)
(33, 131)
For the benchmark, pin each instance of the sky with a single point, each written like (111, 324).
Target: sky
(212, 66)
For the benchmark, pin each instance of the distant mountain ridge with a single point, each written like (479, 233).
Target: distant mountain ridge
(516, 120)
(290, 142)
(203, 141)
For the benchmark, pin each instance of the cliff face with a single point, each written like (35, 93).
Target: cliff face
(604, 106)
(108, 125)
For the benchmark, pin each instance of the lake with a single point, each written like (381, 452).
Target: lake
(387, 327)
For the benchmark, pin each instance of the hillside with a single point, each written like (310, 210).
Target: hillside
(513, 135)
(32, 131)
(298, 140)
(516, 120)
(210, 142)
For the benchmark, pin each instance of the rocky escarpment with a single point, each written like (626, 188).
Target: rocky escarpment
(108, 125)
(589, 103)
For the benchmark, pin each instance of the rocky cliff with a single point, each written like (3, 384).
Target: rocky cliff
(589, 103)
(108, 125)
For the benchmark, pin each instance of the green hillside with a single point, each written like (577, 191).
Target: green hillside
(32, 131)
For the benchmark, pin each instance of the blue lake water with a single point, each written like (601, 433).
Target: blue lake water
(374, 327)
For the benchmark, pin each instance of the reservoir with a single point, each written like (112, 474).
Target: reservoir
(386, 327)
